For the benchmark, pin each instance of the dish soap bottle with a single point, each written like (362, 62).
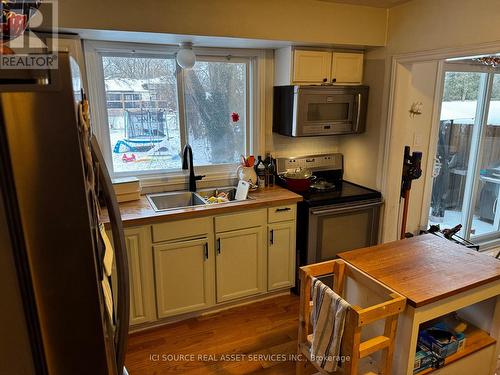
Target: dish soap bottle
(260, 168)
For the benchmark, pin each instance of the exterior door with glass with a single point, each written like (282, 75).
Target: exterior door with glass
(466, 175)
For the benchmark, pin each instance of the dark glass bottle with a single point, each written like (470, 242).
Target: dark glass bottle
(260, 169)
(271, 170)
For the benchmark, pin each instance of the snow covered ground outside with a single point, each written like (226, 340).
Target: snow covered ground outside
(464, 112)
(148, 160)
(162, 156)
(452, 218)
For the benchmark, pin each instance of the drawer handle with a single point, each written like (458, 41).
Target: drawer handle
(283, 209)
(271, 239)
(218, 246)
(206, 250)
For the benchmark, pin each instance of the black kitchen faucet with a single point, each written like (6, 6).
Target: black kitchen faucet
(187, 156)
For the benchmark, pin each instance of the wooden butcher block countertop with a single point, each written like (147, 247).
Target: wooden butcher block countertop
(141, 213)
(425, 268)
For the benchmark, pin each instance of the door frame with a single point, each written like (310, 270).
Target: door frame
(395, 64)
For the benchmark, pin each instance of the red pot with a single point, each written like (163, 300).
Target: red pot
(298, 180)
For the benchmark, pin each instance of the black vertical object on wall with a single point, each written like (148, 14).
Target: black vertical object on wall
(412, 170)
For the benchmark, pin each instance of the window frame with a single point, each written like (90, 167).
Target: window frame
(255, 116)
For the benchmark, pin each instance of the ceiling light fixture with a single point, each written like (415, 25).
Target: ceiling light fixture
(186, 57)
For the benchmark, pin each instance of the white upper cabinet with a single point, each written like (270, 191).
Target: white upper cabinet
(347, 68)
(314, 67)
(311, 66)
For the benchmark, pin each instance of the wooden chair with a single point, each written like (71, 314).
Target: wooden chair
(356, 319)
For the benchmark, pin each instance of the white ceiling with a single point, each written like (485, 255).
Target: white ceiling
(371, 3)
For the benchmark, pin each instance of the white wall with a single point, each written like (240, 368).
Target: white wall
(300, 21)
(362, 161)
(415, 83)
(422, 25)
(287, 146)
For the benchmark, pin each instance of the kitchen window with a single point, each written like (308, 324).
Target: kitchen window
(147, 108)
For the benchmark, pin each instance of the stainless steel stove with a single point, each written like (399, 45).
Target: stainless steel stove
(336, 215)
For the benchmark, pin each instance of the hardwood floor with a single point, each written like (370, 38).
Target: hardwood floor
(258, 338)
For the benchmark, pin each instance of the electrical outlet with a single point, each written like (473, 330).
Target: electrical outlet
(417, 139)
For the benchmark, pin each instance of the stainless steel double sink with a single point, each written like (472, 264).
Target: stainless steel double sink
(184, 199)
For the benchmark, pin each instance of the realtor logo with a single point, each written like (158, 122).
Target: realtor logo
(20, 46)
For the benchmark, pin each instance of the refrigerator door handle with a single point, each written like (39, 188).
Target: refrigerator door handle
(122, 270)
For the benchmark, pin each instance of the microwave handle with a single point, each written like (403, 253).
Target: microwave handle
(356, 129)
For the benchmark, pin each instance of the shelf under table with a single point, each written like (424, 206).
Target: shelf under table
(476, 339)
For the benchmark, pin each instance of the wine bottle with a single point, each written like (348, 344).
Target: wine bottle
(271, 169)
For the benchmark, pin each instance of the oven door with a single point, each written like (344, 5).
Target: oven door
(342, 227)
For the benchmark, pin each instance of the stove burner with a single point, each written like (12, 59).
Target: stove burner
(323, 185)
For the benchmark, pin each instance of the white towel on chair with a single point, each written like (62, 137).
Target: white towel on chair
(328, 319)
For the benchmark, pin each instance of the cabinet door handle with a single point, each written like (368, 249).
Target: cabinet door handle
(271, 239)
(334, 80)
(283, 209)
(206, 250)
(218, 246)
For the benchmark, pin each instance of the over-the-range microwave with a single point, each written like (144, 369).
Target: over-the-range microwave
(301, 111)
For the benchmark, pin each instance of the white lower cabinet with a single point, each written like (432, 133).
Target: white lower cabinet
(240, 263)
(140, 259)
(281, 255)
(189, 265)
(184, 276)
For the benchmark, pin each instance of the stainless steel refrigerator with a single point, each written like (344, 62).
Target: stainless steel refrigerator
(53, 314)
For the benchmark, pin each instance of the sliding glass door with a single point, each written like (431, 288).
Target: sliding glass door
(467, 162)
(486, 210)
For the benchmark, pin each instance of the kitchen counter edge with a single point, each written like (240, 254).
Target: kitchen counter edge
(137, 213)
